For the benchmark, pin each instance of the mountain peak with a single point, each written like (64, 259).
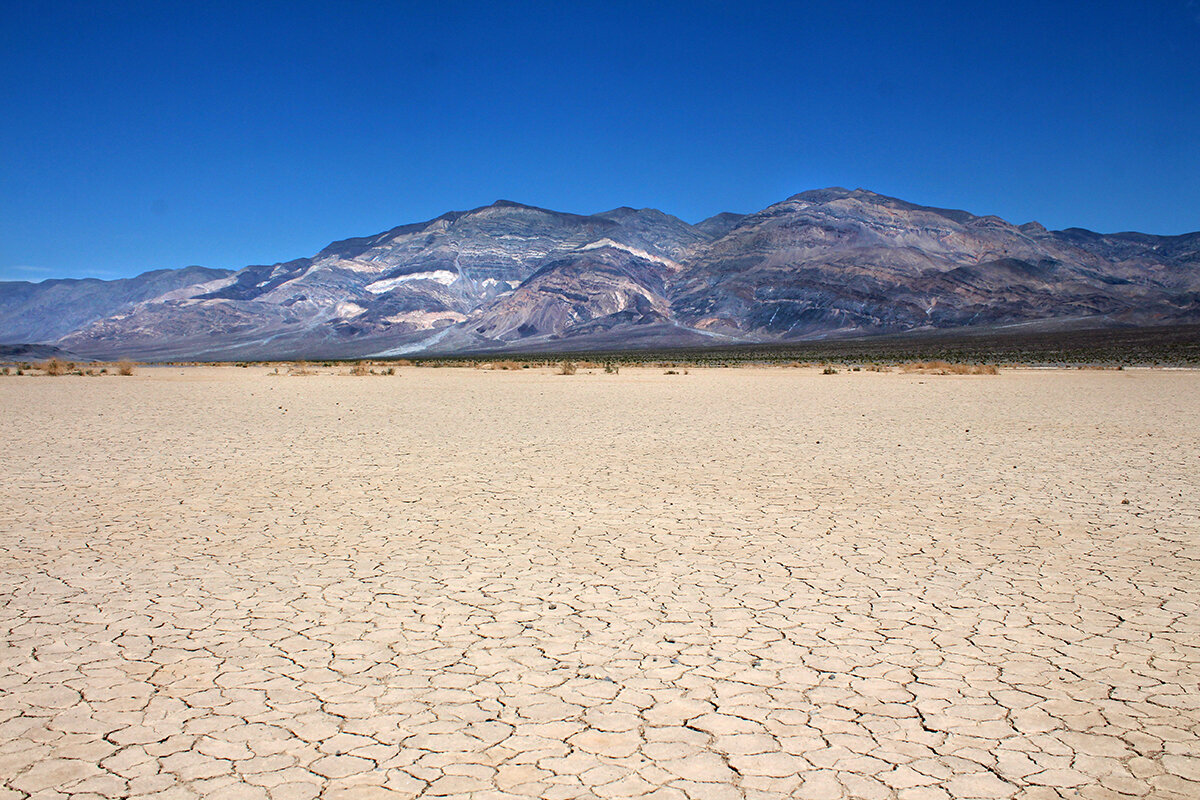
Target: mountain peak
(512, 205)
(832, 193)
(625, 212)
(718, 225)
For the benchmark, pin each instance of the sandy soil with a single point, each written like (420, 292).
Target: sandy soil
(732, 583)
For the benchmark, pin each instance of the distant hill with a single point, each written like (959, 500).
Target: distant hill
(31, 352)
(45, 311)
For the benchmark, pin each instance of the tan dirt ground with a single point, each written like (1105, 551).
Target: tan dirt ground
(734, 583)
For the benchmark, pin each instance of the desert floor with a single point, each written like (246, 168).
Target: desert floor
(731, 583)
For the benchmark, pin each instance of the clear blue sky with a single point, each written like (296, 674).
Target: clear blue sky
(136, 136)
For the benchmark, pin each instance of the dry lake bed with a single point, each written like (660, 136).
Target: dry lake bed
(734, 583)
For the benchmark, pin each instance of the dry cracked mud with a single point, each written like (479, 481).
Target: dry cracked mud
(727, 584)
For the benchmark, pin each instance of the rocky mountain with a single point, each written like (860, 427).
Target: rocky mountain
(480, 278)
(859, 262)
(514, 277)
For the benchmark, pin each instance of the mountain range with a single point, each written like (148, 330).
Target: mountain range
(511, 277)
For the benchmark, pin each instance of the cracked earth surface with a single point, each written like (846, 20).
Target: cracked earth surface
(727, 584)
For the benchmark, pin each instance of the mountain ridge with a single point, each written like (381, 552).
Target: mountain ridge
(510, 276)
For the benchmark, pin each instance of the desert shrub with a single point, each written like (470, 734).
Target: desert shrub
(879, 368)
(4, 371)
(611, 368)
(917, 366)
(54, 366)
(670, 372)
(566, 368)
(505, 365)
(300, 368)
(20, 371)
(945, 368)
(360, 369)
(829, 371)
(390, 371)
(125, 367)
(404, 362)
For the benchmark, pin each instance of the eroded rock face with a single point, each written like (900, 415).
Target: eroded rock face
(597, 285)
(509, 276)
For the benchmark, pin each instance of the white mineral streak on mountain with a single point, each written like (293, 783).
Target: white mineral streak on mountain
(666, 262)
(442, 276)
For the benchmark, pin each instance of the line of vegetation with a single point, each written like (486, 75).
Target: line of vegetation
(57, 367)
(1175, 345)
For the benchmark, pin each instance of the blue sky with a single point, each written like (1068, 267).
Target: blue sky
(140, 136)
